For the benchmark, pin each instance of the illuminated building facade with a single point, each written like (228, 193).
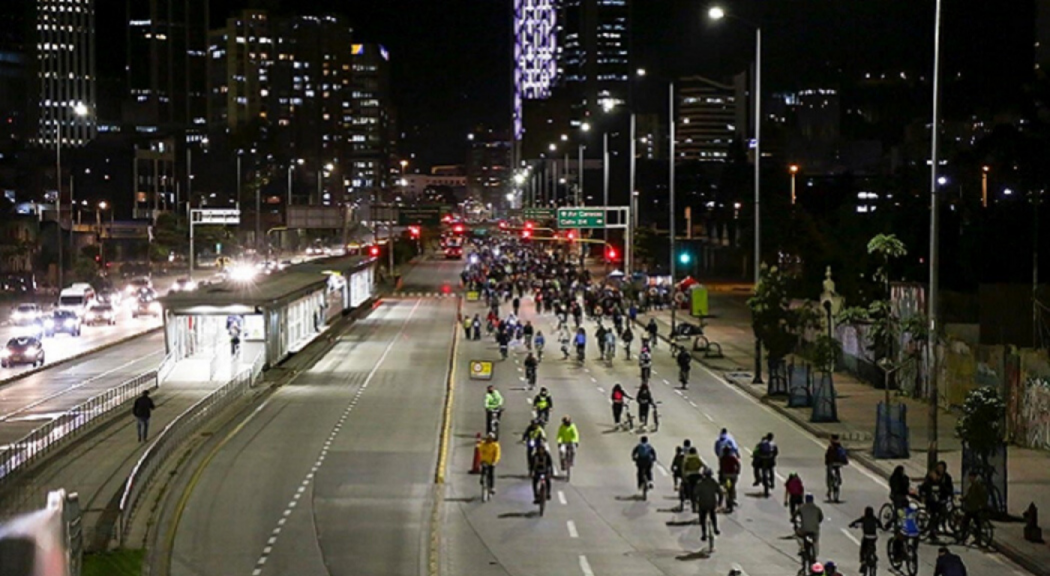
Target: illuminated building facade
(64, 71)
(535, 54)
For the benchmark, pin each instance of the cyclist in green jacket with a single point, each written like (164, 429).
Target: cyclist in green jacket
(568, 439)
(493, 406)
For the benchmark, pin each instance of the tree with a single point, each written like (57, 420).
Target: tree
(773, 320)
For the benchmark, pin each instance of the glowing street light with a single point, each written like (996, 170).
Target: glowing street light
(716, 13)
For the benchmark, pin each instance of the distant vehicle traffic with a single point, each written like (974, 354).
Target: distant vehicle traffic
(137, 284)
(63, 322)
(145, 306)
(183, 285)
(25, 314)
(22, 350)
(101, 314)
(77, 298)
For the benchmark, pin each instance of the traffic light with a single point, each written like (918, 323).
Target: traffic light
(526, 234)
(529, 225)
(458, 228)
(502, 224)
(610, 254)
(414, 231)
(571, 235)
(685, 258)
(373, 251)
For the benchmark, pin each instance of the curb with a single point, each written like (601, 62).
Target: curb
(78, 356)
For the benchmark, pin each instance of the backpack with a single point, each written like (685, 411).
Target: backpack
(765, 450)
(841, 455)
(646, 453)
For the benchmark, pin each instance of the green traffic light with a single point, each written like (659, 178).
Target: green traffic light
(684, 257)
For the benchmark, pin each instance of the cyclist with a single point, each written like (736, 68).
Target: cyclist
(516, 304)
(930, 492)
(627, 338)
(539, 341)
(530, 369)
(725, 439)
(830, 569)
(610, 345)
(907, 534)
(618, 396)
(692, 467)
(534, 437)
(949, 564)
(540, 465)
(489, 454)
(645, 362)
(900, 488)
(810, 516)
(870, 526)
(644, 398)
(794, 491)
(568, 435)
(542, 404)
(684, 359)
(563, 339)
(835, 457)
(581, 343)
(652, 329)
(728, 473)
(676, 466)
(644, 456)
(707, 493)
(503, 339)
(493, 406)
(764, 460)
(599, 336)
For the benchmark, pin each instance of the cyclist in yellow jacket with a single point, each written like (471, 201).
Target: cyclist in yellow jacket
(568, 439)
(489, 453)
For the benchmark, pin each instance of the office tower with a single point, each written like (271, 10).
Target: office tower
(64, 72)
(535, 54)
(371, 115)
(594, 53)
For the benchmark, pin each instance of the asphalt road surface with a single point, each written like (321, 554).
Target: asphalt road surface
(334, 473)
(598, 524)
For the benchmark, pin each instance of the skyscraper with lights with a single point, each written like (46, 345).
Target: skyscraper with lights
(64, 72)
(535, 54)
(594, 53)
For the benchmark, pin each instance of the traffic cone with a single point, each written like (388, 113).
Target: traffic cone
(476, 467)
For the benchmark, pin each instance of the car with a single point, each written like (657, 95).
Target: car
(110, 296)
(183, 285)
(137, 284)
(454, 253)
(22, 350)
(101, 314)
(25, 314)
(63, 322)
(146, 307)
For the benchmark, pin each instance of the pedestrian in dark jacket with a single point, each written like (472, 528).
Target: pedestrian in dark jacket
(949, 564)
(142, 410)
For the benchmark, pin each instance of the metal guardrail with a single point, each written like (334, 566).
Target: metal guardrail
(174, 435)
(166, 366)
(48, 437)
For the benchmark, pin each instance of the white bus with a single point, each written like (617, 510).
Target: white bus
(77, 298)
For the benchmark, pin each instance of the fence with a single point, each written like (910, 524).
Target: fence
(47, 438)
(174, 435)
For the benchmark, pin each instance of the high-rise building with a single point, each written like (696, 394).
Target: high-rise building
(711, 116)
(488, 165)
(64, 72)
(535, 54)
(167, 49)
(372, 122)
(240, 55)
(594, 53)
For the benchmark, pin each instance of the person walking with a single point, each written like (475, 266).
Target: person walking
(142, 410)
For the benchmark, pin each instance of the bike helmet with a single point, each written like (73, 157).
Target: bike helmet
(830, 568)
(566, 419)
(809, 498)
(816, 568)
(492, 435)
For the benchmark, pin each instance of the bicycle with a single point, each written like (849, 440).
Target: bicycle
(834, 482)
(709, 520)
(807, 553)
(765, 475)
(646, 374)
(503, 351)
(568, 458)
(656, 417)
(494, 419)
(980, 528)
(729, 484)
(486, 482)
(541, 491)
(869, 565)
(539, 352)
(530, 376)
(644, 480)
(903, 552)
(627, 416)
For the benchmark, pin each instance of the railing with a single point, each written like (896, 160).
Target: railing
(49, 437)
(174, 435)
(166, 366)
(257, 365)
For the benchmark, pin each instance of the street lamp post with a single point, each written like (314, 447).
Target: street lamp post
(717, 13)
(80, 110)
(984, 186)
(671, 190)
(101, 239)
(931, 340)
(793, 169)
(605, 183)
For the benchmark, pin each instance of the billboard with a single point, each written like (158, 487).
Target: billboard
(316, 217)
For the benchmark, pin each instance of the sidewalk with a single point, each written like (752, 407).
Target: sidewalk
(1028, 470)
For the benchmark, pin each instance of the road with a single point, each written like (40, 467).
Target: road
(597, 524)
(41, 396)
(334, 473)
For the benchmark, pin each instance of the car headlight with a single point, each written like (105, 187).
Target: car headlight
(5, 353)
(90, 316)
(154, 307)
(69, 323)
(18, 316)
(49, 323)
(108, 315)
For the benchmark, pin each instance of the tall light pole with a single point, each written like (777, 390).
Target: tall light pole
(101, 239)
(291, 168)
(717, 13)
(605, 184)
(80, 110)
(984, 185)
(793, 169)
(932, 301)
(585, 127)
(671, 190)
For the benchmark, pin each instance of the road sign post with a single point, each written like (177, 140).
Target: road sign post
(581, 217)
(539, 213)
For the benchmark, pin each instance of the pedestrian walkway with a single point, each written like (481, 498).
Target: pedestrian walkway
(1028, 470)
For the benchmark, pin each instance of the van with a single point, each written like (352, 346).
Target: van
(77, 298)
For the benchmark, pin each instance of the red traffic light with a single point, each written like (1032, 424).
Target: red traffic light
(373, 251)
(503, 224)
(571, 235)
(414, 231)
(529, 225)
(611, 253)
(526, 234)
(458, 228)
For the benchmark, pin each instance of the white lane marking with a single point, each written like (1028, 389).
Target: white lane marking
(780, 477)
(561, 498)
(593, 379)
(748, 450)
(693, 404)
(585, 566)
(666, 382)
(708, 416)
(602, 390)
(663, 471)
(851, 537)
(679, 392)
(572, 529)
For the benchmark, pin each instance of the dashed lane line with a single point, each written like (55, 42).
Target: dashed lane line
(561, 498)
(585, 566)
(572, 529)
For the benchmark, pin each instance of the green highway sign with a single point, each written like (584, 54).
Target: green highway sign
(425, 215)
(581, 217)
(538, 213)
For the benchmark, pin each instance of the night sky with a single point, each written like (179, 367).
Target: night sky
(451, 57)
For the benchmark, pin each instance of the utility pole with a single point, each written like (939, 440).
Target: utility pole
(931, 340)
(670, 213)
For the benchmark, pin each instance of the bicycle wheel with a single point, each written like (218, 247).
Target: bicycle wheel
(895, 560)
(484, 485)
(542, 491)
(645, 490)
(911, 561)
(887, 516)
(922, 519)
(656, 419)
